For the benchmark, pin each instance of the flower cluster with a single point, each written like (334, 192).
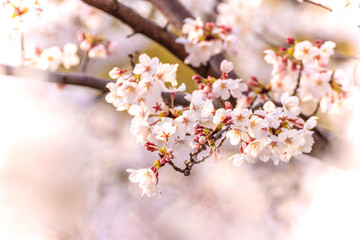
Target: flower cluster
(51, 58)
(303, 69)
(224, 87)
(204, 40)
(19, 8)
(148, 94)
(96, 46)
(275, 133)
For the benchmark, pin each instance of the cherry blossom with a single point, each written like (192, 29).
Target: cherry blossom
(146, 66)
(147, 180)
(70, 57)
(204, 40)
(273, 132)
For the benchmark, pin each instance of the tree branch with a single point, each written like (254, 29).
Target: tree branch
(150, 29)
(77, 79)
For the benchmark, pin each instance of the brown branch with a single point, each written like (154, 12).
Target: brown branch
(174, 11)
(55, 77)
(150, 29)
(299, 78)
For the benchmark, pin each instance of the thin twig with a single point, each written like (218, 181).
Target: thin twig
(85, 62)
(299, 78)
(318, 4)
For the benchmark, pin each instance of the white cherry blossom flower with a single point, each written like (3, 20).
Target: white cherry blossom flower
(258, 127)
(238, 88)
(236, 135)
(50, 59)
(146, 66)
(231, 44)
(208, 110)
(165, 129)
(147, 180)
(221, 88)
(193, 28)
(240, 117)
(70, 57)
(115, 73)
(167, 73)
(200, 53)
(240, 158)
(290, 104)
(185, 122)
(254, 148)
(293, 141)
(327, 49)
(226, 66)
(128, 91)
(220, 115)
(181, 88)
(270, 56)
(310, 123)
(140, 112)
(141, 130)
(305, 51)
(99, 51)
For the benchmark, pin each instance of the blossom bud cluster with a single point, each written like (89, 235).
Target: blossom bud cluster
(303, 69)
(96, 46)
(275, 133)
(51, 58)
(204, 40)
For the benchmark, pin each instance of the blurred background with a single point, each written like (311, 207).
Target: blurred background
(64, 151)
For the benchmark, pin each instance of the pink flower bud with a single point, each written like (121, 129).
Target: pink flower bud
(197, 79)
(207, 88)
(228, 105)
(80, 35)
(195, 147)
(290, 40)
(224, 75)
(209, 26)
(318, 42)
(202, 140)
(227, 119)
(252, 82)
(150, 147)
